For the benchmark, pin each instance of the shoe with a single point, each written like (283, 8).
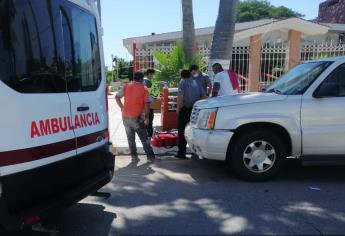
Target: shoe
(135, 159)
(151, 159)
(194, 157)
(179, 156)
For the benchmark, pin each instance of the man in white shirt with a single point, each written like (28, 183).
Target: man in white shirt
(222, 84)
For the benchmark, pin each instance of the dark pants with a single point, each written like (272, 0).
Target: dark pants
(132, 126)
(150, 125)
(183, 120)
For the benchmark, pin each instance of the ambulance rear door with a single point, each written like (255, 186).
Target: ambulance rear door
(85, 85)
(36, 130)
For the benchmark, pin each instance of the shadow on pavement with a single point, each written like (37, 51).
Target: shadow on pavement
(203, 197)
(173, 196)
(80, 219)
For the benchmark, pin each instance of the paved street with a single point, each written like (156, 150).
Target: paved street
(173, 196)
(201, 197)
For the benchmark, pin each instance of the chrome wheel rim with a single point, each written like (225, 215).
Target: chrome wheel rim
(259, 156)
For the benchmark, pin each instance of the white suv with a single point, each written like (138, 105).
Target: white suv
(302, 115)
(54, 141)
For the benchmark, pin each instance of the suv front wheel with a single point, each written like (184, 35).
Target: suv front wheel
(257, 155)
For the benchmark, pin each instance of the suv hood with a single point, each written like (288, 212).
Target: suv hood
(239, 100)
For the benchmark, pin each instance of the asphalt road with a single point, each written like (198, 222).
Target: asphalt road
(202, 197)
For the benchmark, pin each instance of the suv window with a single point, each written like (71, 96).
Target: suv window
(297, 80)
(82, 53)
(29, 60)
(337, 77)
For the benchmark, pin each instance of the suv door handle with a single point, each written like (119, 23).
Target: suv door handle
(83, 108)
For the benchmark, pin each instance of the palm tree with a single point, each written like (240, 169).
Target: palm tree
(224, 33)
(188, 31)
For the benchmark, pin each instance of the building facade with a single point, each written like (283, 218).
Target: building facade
(263, 50)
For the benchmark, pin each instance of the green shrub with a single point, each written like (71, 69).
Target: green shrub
(171, 65)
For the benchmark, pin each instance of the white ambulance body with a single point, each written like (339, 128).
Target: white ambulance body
(54, 141)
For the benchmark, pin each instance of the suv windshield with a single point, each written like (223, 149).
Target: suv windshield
(299, 78)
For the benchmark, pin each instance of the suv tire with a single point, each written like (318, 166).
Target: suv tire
(257, 155)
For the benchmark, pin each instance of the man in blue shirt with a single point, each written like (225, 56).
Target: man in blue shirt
(189, 92)
(203, 79)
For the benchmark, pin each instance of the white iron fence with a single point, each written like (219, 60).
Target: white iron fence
(273, 62)
(274, 58)
(322, 50)
(239, 63)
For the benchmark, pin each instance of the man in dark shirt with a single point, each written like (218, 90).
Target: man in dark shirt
(203, 79)
(189, 92)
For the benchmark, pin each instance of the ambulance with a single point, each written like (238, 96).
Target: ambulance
(54, 138)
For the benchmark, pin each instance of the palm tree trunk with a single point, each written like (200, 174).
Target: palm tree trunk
(188, 31)
(224, 32)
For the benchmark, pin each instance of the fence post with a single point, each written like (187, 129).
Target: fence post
(294, 49)
(136, 66)
(254, 63)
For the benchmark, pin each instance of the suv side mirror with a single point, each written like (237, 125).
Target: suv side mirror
(327, 90)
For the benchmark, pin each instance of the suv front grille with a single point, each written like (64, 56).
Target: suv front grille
(195, 115)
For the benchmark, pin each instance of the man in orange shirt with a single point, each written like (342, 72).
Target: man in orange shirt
(136, 103)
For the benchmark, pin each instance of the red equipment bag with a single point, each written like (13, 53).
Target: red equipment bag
(167, 140)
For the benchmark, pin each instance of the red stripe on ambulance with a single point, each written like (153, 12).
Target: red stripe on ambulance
(63, 124)
(21, 156)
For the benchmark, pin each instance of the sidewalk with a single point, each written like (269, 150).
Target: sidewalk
(117, 130)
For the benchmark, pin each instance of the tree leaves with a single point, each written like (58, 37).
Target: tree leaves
(170, 65)
(251, 10)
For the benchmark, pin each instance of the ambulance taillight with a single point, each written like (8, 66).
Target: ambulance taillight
(106, 132)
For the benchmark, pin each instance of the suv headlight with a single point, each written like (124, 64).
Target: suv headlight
(207, 118)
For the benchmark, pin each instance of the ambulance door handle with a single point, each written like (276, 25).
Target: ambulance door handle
(83, 108)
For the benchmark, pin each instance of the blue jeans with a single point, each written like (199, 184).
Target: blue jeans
(133, 126)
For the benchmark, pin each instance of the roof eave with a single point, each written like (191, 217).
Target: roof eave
(307, 28)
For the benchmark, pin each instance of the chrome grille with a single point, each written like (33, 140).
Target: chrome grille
(195, 115)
